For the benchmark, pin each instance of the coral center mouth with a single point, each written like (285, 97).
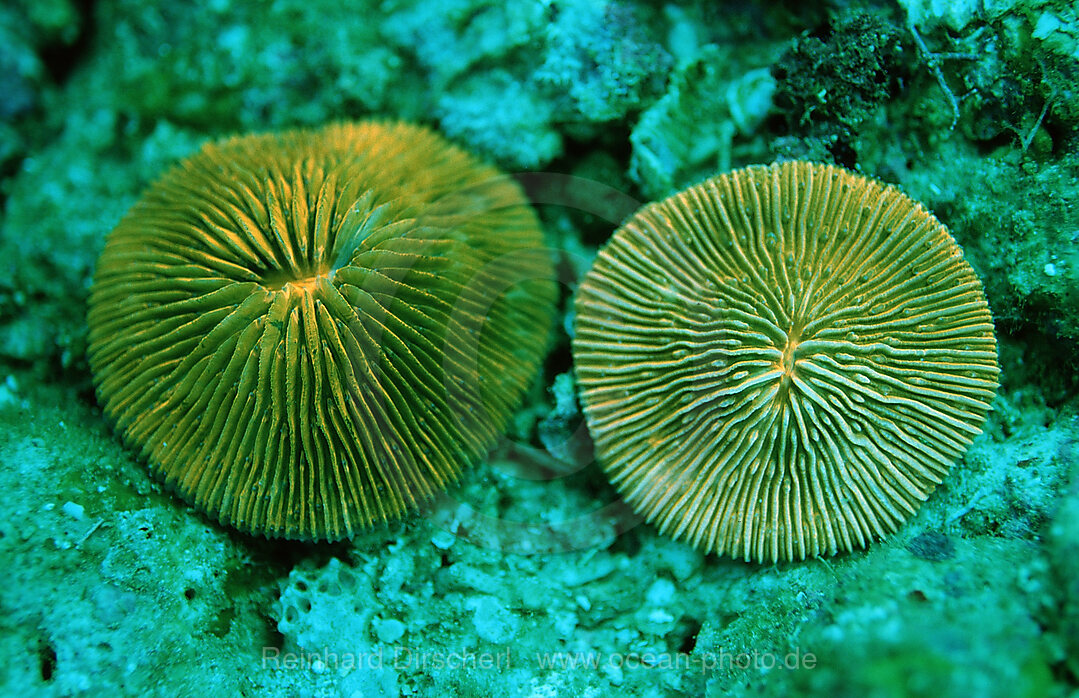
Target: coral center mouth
(788, 362)
(303, 280)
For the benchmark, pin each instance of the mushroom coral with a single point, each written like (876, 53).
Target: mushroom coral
(782, 362)
(307, 332)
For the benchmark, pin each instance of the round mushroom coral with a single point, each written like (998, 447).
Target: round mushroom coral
(782, 362)
(308, 332)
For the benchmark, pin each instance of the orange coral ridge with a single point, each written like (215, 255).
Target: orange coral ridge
(782, 362)
(308, 332)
